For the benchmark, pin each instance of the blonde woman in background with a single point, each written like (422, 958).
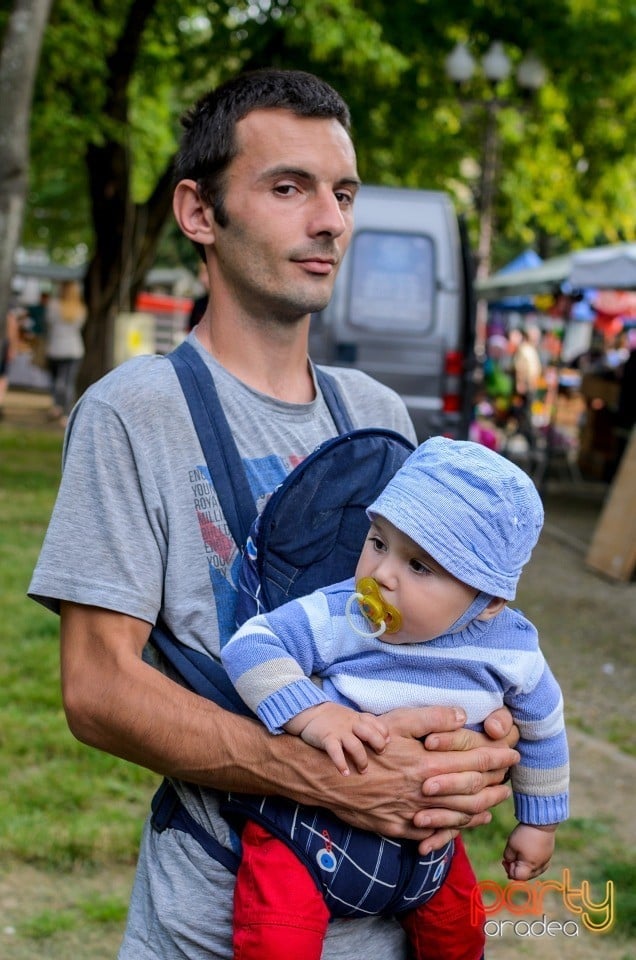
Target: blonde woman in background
(66, 315)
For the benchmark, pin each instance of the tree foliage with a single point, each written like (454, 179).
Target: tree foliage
(116, 75)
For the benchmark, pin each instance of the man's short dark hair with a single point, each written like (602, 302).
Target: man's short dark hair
(208, 144)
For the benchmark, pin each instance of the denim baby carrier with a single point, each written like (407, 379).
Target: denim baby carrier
(309, 535)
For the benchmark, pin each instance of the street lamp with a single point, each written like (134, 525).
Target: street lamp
(496, 66)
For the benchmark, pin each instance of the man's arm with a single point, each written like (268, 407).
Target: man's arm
(118, 703)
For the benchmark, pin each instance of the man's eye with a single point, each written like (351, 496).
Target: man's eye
(285, 189)
(344, 198)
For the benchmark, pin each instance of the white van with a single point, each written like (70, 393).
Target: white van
(402, 308)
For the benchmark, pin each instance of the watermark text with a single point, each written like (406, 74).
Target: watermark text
(526, 898)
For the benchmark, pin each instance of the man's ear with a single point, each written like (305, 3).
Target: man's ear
(495, 606)
(195, 219)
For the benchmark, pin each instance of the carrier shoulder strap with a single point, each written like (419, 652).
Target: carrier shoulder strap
(221, 455)
(202, 673)
(216, 439)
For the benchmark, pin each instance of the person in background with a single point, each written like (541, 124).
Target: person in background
(266, 180)
(498, 382)
(527, 368)
(65, 318)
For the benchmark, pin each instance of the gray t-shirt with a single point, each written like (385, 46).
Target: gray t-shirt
(137, 527)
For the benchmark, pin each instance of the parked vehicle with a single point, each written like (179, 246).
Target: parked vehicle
(402, 308)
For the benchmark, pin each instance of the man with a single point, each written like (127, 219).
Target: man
(266, 186)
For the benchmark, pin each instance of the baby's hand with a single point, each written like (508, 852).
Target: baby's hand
(528, 851)
(338, 731)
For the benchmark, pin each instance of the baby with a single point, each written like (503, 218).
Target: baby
(426, 622)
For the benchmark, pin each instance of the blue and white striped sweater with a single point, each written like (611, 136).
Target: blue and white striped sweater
(272, 657)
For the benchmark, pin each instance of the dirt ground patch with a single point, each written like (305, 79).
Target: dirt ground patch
(28, 897)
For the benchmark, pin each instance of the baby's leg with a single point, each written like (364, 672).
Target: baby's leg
(449, 926)
(279, 913)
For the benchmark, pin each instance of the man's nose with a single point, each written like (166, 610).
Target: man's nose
(327, 217)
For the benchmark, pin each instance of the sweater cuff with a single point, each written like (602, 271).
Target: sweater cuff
(540, 811)
(280, 707)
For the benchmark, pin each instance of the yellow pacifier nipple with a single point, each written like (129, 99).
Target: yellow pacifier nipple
(375, 608)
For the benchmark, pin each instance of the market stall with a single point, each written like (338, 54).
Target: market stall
(605, 277)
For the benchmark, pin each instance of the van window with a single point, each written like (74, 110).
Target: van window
(392, 282)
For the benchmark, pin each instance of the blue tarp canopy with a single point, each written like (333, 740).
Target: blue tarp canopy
(528, 260)
(611, 267)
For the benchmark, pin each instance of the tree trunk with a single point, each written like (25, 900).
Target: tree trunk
(19, 59)
(126, 241)
(124, 247)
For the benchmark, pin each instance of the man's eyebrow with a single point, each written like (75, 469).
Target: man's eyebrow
(353, 182)
(283, 170)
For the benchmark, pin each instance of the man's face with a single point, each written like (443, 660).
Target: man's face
(289, 196)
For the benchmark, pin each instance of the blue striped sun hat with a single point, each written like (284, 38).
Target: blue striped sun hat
(474, 512)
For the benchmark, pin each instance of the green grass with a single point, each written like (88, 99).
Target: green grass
(99, 910)
(62, 803)
(623, 875)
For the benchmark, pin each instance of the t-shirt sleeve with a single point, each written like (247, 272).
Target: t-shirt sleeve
(105, 545)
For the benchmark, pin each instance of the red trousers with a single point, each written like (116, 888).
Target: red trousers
(279, 913)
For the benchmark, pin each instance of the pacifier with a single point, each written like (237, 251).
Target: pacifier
(378, 612)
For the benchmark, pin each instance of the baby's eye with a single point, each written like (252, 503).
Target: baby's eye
(418, 566)
(378, 544)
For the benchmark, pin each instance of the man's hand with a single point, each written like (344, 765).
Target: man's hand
(465, 776)
(492, 756)
(390, 798)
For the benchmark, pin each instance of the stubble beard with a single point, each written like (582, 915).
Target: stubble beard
(288, 307)
(289, 312)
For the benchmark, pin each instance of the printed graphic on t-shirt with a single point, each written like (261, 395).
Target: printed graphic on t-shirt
(219, 546)
(224, 558)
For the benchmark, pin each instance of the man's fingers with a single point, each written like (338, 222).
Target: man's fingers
(484, 761)
(460, 740)
(464, 739)
(418, 722)
(436, 841)
(499, 724)
(462, 810)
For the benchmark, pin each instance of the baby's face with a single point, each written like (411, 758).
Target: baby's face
(429, 598)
